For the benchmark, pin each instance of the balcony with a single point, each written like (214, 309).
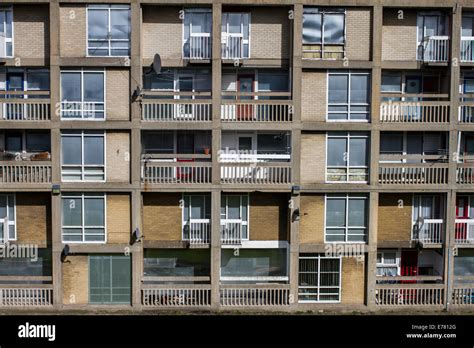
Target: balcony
(463, 295)
(397, 295)
(17, 291)
(464, 231)
(25, 106)
(199, 47)
(428, 231)
(466, 110)
(176, 106)
(197, 232)
(467, 49)
(232, 47)
(268, 295)
(231, 232)
(413, 173)
(434, 49)
(417, 109)
(247, 107)
(24, 172)
(166, 295)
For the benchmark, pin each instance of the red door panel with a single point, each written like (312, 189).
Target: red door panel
(409, 265)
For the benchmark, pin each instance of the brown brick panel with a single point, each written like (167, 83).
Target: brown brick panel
(162, 216)
(312, 219)
(118, 218)
(33, 218)
(268, 218)
(394, 222)
(31, 31)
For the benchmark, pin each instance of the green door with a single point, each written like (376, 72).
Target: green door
(109, 279)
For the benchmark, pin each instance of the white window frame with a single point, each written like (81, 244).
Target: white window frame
(185, 222)
(190, 12)
(82, 135)
(83, 103)
(226, 34)
(8, 221)
(348, 136)
(8, 40)
(346, 228)
(242, 222)
(319, 287)
(349, 73)
(383, 264)
(83, 196)
(109, 40)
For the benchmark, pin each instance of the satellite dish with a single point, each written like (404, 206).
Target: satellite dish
(156, 66)
(64, 253)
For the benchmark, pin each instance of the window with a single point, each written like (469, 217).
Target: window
(177, 262)
(347, 157)
(6, 32)
(348, 96)
(108, 30)
(28, 266)
(235, 35)
(319, 278)
(346, 218)
(83, 156)
(196, 218)
(83, 95)
(109, 279)
(234, 217)
(83, 218)
(323, 33)
(388, 263)
(7, 218)
(197, 34)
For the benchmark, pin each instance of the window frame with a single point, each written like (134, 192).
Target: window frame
(82, 196)
(382, 264)
(349, 74)
(242, 222)
(82, 102)
(9, 222)
(226, 33)
(347, 197)
(348, 136)
(317, 256)
(191, 220)
(190, 12)
(12, 39)
(82, 134)
(109, 8)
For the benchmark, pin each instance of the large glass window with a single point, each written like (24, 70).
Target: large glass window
(7, 218)
(109, 279)
(323, 33)
(348, 96)
(235, 35)
(108, 28)
(6, 32)
(35, 265)
(83, 218)
(83, 95)
(346, 218)
(83, 156)
(196, 218)
(347, 157)
(319, 278)
(388, 263)
(197, 34)
(234, 217)
(176, 262)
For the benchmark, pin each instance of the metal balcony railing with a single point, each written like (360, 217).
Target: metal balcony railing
(434, 49)
(413, 110)
(25, 106)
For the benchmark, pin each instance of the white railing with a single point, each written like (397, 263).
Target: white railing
(26, 297)
(409, 295)
(176, 110)
(176, 296)
(463, 296)
(25, 172)
(176, 172)
(465, 173)
(413, 174)
(232, 47)
(466, 112)
(259, 295)
(199, 47)
(434, 49)
(467, 49)
(414, 112)
(256, 173)
(197, 232)
(464, 231)
(257, 111)
(231, 232)
(428, 231)
(25, 110)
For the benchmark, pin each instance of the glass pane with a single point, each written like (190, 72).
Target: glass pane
(38, 80)
(234, 20)
(336, 212)
(71, 150)
(391, 82)
(98, 24)
(197, 207)
(233, 207)
(311, 28)
(94, 212)
(391, 143)
(357, 216)
(70, 86)
(360, 89)
(334, 28)
(72, 212)
(93, 87)
(36, 141)
(358, 152)
(337, 151)
(338, 86)
(3, 207)
(253, 263)
(94, 150)
(120, 24)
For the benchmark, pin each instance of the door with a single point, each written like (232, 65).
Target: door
(200, 35)
(235, 35)
(409, 265)
(15, 83)
(109, 279)
(245, 84)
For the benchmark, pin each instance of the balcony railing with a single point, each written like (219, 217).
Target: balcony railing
(271, 173)
(465, 171)
(16, 106)
(270, 295)
(232, 47)
(176, 295)
(463, 296)
(464, 231)
(413, 173)
(466, 108)
(414, 111)
(183, 171)
(409, 294)
(165, 107)
(467, 49)
(246, 108)
(434, 49)
(231, 232)
(428, 231)
(15, 296)
(197, 232)
(199, 47)
(25, 172)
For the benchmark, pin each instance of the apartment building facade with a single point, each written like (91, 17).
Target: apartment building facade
(217, 155)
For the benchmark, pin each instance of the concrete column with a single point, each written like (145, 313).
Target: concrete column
(137, 249)
(215, 248)
(449, 246)
(216, 89)
(372, 248)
